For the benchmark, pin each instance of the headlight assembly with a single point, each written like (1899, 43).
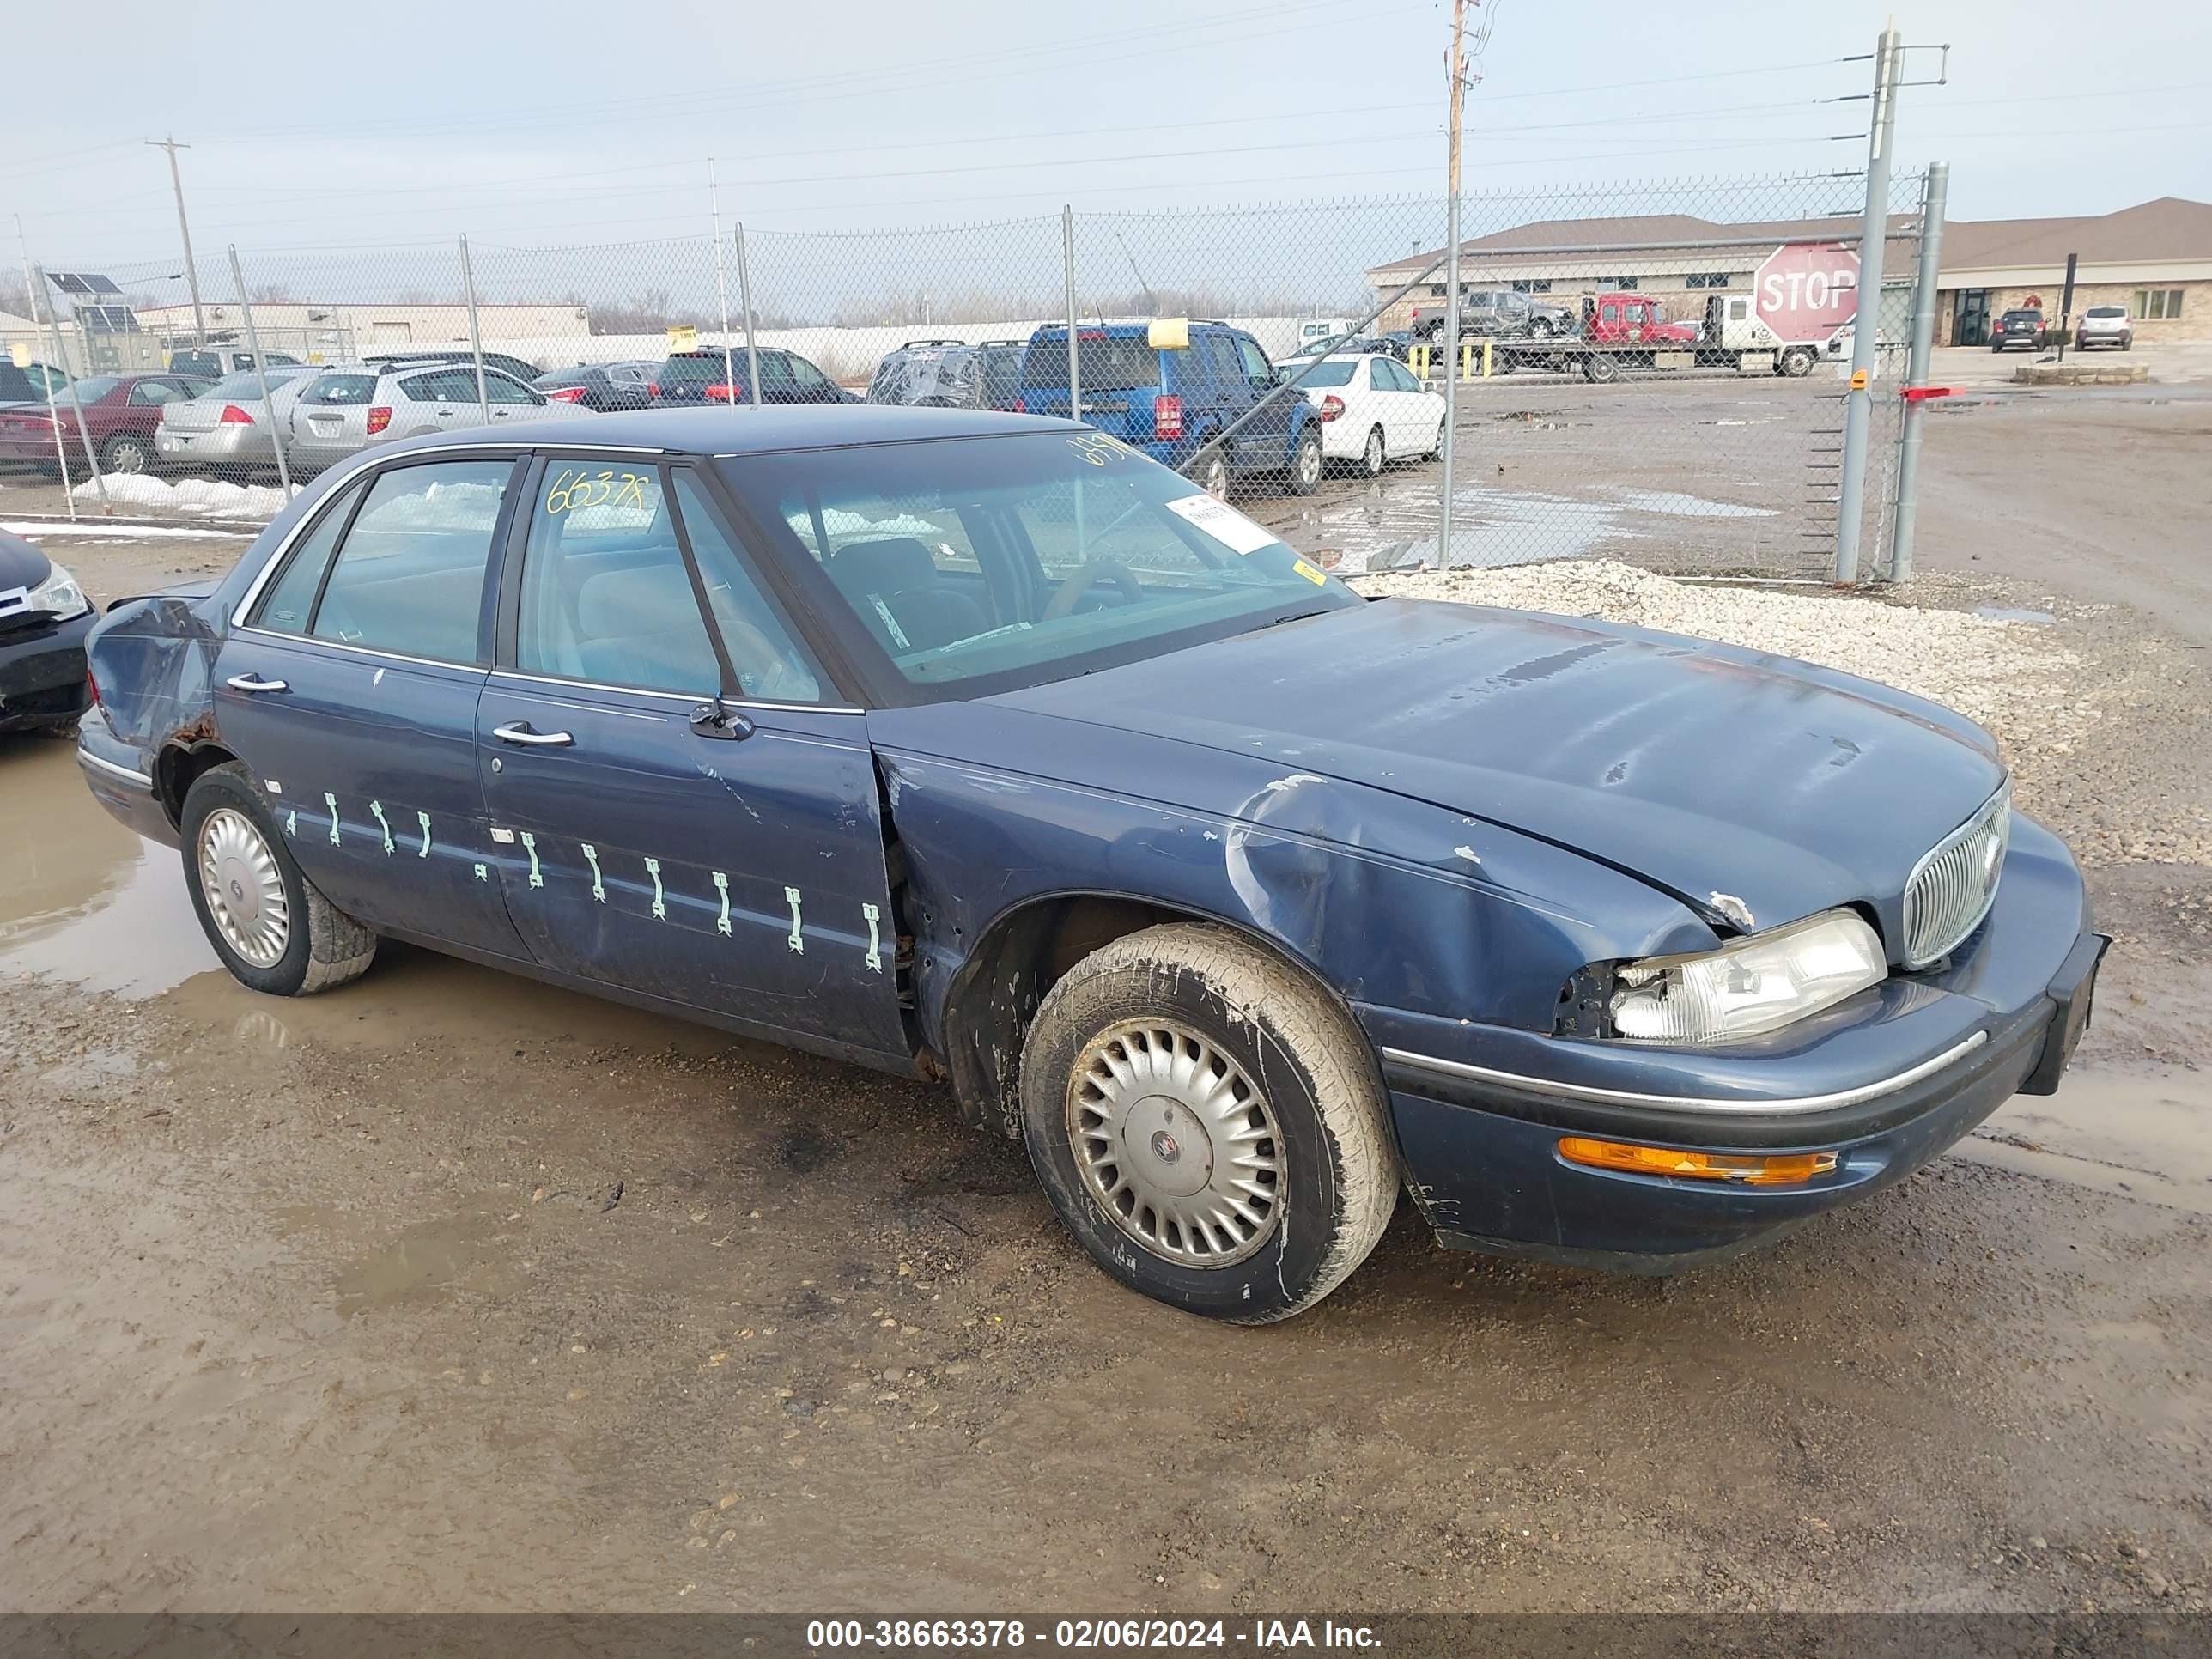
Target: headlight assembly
(1756, 984)
(60, 594)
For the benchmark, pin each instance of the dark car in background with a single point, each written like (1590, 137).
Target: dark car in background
(949, 374)
(2018, 328)
(122, 416)
(709, 375)
(983, 749)
(44, 619)
(605, 387)
(1169, 387)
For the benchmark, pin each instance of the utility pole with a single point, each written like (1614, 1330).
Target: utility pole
(184, 227)
(1866, 327)
(1456, 66)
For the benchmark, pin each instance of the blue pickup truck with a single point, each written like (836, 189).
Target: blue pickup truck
(1167, 387)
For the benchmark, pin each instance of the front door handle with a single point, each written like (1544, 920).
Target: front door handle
(254, 682)
(519, 731)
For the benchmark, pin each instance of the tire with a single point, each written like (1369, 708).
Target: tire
(1213, 476)
(1437, 454)
(2127, 342)
(1796, 362)
(126, 453)
(1289, 1073)
(1375, 456)
(1599, 369)
(1540, 329)
(321, 945)
(1306, 465)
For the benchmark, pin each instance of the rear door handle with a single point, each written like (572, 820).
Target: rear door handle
(519, 731)
(254, 682)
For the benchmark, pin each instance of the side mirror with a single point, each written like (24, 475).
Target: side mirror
(717, 718)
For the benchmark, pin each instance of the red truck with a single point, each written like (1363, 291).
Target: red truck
(1619, 319)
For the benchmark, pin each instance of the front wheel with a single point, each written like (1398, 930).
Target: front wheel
(1306, 464)
(273, 929)
(1437, 450)
(1541, 328)
(1208, 1124)
(1213, 476)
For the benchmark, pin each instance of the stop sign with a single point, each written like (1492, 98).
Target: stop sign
(1805, 291)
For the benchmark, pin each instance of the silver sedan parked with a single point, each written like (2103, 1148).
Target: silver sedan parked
(345, 410)
(227, 428)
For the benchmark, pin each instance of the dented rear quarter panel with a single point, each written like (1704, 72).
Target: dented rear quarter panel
(1388, 900)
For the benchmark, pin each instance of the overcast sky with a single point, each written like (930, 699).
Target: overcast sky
(572, 124)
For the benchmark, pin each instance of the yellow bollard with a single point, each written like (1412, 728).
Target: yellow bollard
(1486, 359)
(1417, 359)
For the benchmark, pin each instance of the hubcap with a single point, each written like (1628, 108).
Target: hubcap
(1175, 1144)
(127, 458)
(1217, 479)
(244, 889)
(1374, 453)
(1309, 461)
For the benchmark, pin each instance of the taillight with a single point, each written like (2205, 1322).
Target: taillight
(722, 392)
(1021, 407)
(564, 394)
(233, 415)
(1331, 408)
(91, 687)
(653, 388)
(1167, 417)
(379, 418)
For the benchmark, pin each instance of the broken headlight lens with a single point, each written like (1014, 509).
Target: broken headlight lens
(60, 594)
(1755, 985)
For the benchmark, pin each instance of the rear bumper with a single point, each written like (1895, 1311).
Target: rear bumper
(1924, 1064)
(218, 446)
(42, 675)
(118, 782)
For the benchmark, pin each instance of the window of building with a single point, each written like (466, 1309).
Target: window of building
(1626, 284)
(1532, 285)
(1709, 279)
(2151, 303)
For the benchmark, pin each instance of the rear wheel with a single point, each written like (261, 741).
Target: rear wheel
(1306, 464)
(125, 453)
(1599, 368)
(1208, 1124)
(1796, 362)
(1374, 458)
(273, 929)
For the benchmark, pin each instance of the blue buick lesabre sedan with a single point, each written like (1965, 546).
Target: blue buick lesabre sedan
(980, 748)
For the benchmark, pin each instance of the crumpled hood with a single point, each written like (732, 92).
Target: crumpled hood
(1704, 768)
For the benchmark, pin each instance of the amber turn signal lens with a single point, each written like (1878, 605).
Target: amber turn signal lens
(1781, 1169)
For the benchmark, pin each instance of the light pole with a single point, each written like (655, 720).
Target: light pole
(184, 229)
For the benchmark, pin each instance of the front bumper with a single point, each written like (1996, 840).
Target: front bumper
(42, 674)
(1886, 1081)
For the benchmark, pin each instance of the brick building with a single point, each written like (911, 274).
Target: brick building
(2154, 259)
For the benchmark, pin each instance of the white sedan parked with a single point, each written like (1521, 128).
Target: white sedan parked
(1373, 411)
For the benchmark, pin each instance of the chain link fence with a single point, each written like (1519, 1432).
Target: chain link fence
(1654, 371)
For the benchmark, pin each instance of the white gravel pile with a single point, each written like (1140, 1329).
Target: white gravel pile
(2011, 676)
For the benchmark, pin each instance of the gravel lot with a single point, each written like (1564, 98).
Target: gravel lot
(449, 1291)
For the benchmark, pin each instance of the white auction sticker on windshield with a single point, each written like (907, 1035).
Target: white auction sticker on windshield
(1223, 523)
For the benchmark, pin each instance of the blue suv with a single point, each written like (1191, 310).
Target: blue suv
(1141, 384)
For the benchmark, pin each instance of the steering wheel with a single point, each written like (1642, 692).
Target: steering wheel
(1086, 576)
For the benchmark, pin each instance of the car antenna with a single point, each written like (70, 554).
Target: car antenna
(1150, 304)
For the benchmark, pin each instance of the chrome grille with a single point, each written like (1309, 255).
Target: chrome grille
(1952, 888)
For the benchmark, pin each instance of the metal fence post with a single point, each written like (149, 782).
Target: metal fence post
(1074, 358)
(476, 336)
(1933, 194)
(721, 280)
(1455, 67)
(1866, 328)
(260, 371)
(745, 304)
(77, 403)
(61, 448)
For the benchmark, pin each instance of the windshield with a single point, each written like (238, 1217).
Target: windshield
(990, 562)
(2105, 311)
(1108, 362)
(340, 389)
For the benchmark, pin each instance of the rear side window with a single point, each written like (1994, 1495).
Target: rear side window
(409, 576)
(1108, 363)
(340, 390)
(1220, 358)
(291, 600)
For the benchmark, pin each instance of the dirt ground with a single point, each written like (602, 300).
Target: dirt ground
(447, 1290)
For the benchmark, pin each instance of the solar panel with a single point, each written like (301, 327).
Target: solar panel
(82, 282)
